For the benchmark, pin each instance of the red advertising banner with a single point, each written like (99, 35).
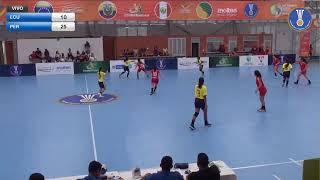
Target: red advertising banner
(99, 10)
(305, 37)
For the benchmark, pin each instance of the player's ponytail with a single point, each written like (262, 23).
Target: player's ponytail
(100, 69)
(287, 63)
(201, 82)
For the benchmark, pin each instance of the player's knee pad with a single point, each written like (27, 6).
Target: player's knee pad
(196, 114)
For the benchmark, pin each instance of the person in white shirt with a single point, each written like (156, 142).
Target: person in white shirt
(92, 57)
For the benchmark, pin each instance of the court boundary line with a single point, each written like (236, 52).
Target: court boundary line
(91, 124)
(277, 177)
(295, 162)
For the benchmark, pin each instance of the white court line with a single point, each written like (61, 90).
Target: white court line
(277, 177)
(264, 165)
(295, 162)
(91, 124)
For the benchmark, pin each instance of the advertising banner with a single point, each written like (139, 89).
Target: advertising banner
(282, 57)
(305, 37)
(191, 63)
(91, 67)
(257, 60)
(54, 68)
(18, 70)
(224, 61)
(98, 10)
(117, 65)
(162, 63)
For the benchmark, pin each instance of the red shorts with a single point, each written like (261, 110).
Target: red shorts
(141, 69)
(303, 72)
(262, 91)
(154, 80)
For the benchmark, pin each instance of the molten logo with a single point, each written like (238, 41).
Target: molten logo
(88, 98)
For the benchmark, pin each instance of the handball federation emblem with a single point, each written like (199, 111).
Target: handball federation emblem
(300, 19)
(251, 10)
(161, 64)
(107, 10)
(15, 70)
(43, 7)
(87, 99)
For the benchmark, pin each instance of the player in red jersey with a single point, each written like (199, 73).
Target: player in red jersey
(276, 63)
(261, 89)
(303, 70)
(154, 79)
(141, 67)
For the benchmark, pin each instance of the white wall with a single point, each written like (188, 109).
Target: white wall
(26, 46)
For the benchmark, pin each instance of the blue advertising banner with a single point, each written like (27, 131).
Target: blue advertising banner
(162, 63)
(282, 57)
(18, 70)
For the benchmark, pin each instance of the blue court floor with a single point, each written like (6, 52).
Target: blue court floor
(39, 134)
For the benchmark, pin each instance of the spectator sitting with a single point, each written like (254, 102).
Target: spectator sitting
(165, 173)
(70, 55)
(94, 171)
(33, 57)
(165, 51)
(78, 56)
(47, 55)
(62, 59)
(92, 57)
(57, 56)
(36, 176)
(39, 53)
(156, 51)
(205, 172)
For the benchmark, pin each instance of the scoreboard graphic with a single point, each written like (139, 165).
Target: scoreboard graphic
(20, 20)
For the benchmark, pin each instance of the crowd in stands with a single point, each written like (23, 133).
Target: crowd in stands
(85, 55)
(207, 171)
(144, 52)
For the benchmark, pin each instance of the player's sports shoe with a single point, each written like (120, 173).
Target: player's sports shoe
(261, 110)
(207, 124)
(192, 127)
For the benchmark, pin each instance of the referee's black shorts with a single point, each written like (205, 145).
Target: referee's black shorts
(199, 103)
(286, 74)
(101, 85)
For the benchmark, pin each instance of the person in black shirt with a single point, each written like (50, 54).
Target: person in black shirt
(205, 172)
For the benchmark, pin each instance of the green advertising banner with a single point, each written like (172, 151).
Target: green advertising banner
(91, 66)
(225, 61)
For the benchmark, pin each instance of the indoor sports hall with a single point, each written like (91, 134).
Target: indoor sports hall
(123, 89)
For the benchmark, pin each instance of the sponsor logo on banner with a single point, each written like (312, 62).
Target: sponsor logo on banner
(185, 9)
(161, 64)
(43, 7)
(117, 65)
(251, 10)
(136, 10)
(15, 70)
(107, 10)
(204, 10)
(227, 12)
(224, 62)
(54, 68)
(2, 10)
(45, 69)
(282, 9)
(87, 99)
(259, 60)
(192, 63)
(163, 10)
(300, 19)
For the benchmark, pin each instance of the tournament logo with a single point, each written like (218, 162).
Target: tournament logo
(107, 10)
(161, 64)
(300, 19)
(43, 7)
(276, 10)
(185, 9)
(136, 11)
(251, 10)
(15, 70)
(204, 10)
(162, 10)
(87, 99)
(91, 67)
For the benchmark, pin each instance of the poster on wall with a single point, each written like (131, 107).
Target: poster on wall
(305, 43)
(117, 65)
(257, 60)
(192, 63)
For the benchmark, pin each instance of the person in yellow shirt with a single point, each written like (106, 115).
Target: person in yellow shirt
(286, 69)
(101, 79)
(200, 93)
(126, 67)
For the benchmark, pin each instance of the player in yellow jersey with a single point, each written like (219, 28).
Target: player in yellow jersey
(200, 63)
(126, 67)
(286, 69)
(200, 93)
(101, 79)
